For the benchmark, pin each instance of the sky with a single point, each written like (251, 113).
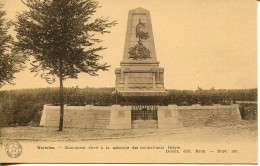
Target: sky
(200, 43)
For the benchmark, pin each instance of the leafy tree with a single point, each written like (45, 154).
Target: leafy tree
(212, 89)
(10, 62)
(60, 36)
(199, 88)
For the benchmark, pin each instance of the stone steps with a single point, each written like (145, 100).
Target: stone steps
(144, 124)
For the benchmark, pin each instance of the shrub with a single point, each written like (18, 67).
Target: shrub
(248, 111)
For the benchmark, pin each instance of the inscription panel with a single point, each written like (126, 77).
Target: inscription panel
(140, 78)
(140, 86)
(144, 75)
(167, 113)
(121, 113)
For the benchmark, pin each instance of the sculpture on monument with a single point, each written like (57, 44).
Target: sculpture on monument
(139, 51)
(140, 74)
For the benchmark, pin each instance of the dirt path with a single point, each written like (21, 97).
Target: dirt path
(244, 130)
(214, 143)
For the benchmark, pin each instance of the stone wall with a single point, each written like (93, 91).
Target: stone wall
(196, 115)
(119, 117)
(94, 117)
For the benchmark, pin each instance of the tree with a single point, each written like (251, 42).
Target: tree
(199, 88)
(10, 62)
(60, 36)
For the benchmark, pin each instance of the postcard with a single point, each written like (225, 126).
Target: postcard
(112, 81)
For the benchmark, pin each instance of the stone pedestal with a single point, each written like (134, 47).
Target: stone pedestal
(120, 117)
(238, 115)
(168, 117)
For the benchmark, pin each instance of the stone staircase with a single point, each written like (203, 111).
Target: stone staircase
(136, 124)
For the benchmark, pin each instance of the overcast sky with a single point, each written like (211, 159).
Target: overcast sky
(201, 43)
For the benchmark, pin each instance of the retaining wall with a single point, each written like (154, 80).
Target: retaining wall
(94, 117)
(119, 117)
(200, 115)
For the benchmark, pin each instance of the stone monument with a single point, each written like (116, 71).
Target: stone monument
(140, 74)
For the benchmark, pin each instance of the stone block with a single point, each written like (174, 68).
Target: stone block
(168, 117)
(118, 119)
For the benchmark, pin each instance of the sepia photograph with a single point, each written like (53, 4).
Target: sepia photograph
(140, 81)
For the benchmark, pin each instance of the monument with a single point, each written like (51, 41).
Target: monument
(140, 74)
